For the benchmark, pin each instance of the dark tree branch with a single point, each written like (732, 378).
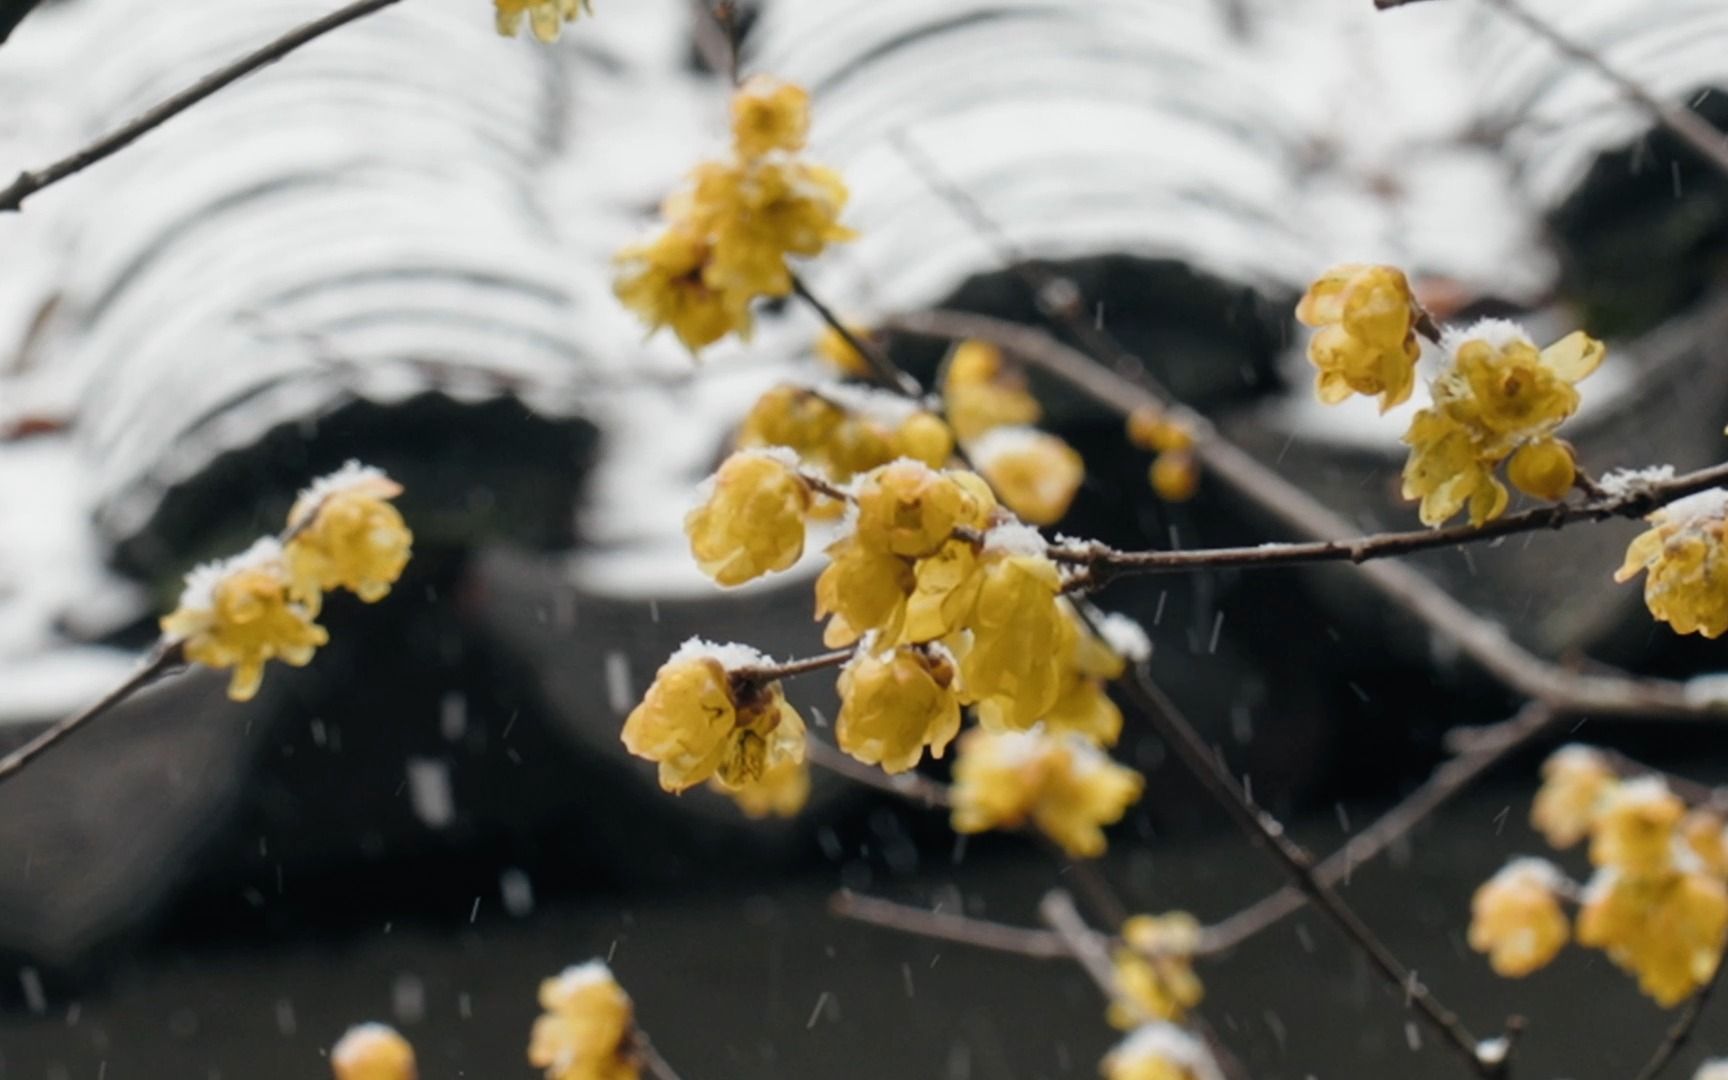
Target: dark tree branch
(165, 659)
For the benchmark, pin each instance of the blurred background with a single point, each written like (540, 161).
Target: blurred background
(394, 245)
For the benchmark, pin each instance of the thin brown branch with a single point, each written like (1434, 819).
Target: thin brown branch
(910, 786)
(1185, 742)
(770, 671)
(163, 660)
(1082, 942)
(1481, 639)
(950, 926)
(1491, 746)
(30, 182)
(1680, 1032)
(1682, 123)
(881, 365)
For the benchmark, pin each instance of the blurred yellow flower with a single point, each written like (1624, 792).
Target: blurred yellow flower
(665, 282)
(1082, 706)
(895, 704)
(372, 1052)
(769, 114)
(945, 589)
(1634, 830)
(1155, 431)
(343, 533)
(1367, 345)
(1683, 555)
(588, 1029)
(751, 521)
(545, 17)
(1516, 918)
(1062, 785)
(1667, 929)
(979, 393)
(1174, 475)
(1034, 473)
(862, 588)
(1154, 969)
(910, 509)
(1705, 834)
(833, 347)
(1012, 669)
(241, 614)
(695, 725)
(1575, 779)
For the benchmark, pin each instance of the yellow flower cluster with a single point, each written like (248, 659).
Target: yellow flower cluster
(1061, 784)
(980, 392)
(751, 521)
(1685, 558)
(588, 1029)
(730, 230)
(1366, 316)
(372, 1052)
(1174, 473)
(1658, 903)
(841, 432)
(1154, 969)
(545, 17)
(698, 722)
(1160, 1051)
(1499, 398)
(259, 606)
(1516, 918)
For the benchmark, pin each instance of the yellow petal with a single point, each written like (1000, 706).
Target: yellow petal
(1575, 355)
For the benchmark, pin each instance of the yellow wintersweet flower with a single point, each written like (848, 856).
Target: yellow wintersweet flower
(795, 417)
(979, 393)
(1034, 473)
(863, 588)
(372, 1052)
(1154, 430)
(696, 724)
(1013, 668)
(1446, 472)
(1063, 785)
(588, 1029)
(1516, 919)
(924, 437)
(945, 589)
(343, 533)
(910, 509)
(1706, 836)
(758, 214)
(1154, 969)
(241, 614)
(1667, 929)
(1683, 554)
(1160, 1051)
(1575, 780)
(781, 790)
(769, 114)
(1367, 340)
(752, 521)
(893, 705)
(1634, 831)
(665, 282)
(545, 17)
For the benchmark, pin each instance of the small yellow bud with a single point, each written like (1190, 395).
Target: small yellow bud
(372, 1052)
(1152, 430)
(344, 534)
(1516, 919)
(924, 437)
(241, 614)
(588, 1029)
(1543, 470)
(769, 114)
(1154, 969)
(1174, 475)
(894, 705)
(752, 521)
(980, 394)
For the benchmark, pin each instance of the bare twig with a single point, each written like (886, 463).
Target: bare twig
(30, 182)
(652, 1060)
(165, 659)
(1387, 5)
(1680, 1032)
(1083, 944)
(1481, 639)
(886, 371)
(1682, 123)
(918, 789)
(770, 671)
(1493, 746)
(950, 926)
(1198, 758)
